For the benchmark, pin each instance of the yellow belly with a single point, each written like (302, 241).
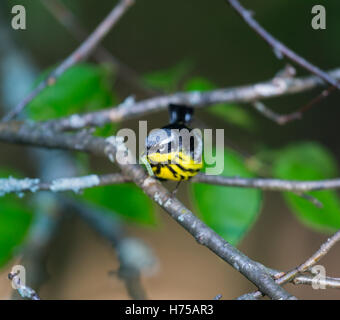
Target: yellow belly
(175, 166)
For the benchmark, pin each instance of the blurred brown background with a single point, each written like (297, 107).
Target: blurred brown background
(155, 35)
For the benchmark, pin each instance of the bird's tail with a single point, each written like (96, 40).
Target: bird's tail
(180, 114)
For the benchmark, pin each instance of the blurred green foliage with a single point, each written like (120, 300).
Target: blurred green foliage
(15, 220)
(169, 79)
(310, 161)
(82, 88)
(229, 211)
(125, 199)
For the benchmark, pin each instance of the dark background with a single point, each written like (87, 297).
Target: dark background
(155, 35)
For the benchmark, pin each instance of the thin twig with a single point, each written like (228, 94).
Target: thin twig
(309, 198)
(81, 53)
(66, 18)
(278, 46)
(24, 291)
(43, 231)
(309, 263)
(324, 94)
(327, 282)
(313, 260)
(280, 119)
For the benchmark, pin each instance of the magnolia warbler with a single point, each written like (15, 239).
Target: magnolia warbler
(175, 151)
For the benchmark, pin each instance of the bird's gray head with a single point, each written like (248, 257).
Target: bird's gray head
(171, 140)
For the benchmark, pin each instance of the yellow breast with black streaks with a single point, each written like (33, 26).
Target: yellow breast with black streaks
(175, 166)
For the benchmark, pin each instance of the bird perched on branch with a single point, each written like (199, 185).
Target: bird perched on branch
(175, 151)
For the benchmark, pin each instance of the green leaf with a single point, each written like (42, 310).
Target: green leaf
(15, 220)
(310, 161)
(82, 88)
(233, 114)
(126, 200)
(305, 160)
(168, 79)
(229, 211)
(107, 130)
(199, 84)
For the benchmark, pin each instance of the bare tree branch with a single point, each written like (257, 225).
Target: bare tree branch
(268, 184)
(278, 46)
(76, 184)
(81, 53)
(245, 94)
